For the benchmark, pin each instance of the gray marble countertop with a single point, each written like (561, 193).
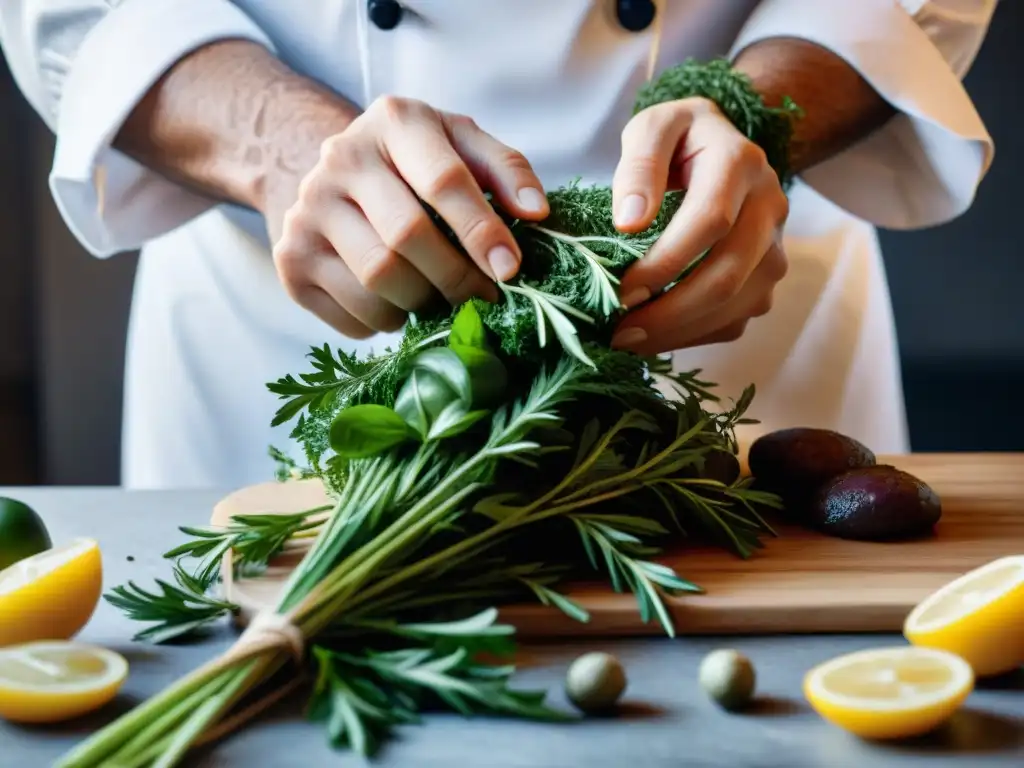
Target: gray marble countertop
(666, 720)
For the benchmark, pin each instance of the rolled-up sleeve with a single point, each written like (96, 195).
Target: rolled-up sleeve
(84, 65)
(924, 166)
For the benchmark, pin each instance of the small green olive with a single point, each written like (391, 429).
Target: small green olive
(728, 677)
(595, 681)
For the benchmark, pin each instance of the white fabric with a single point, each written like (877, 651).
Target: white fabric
(210, 324)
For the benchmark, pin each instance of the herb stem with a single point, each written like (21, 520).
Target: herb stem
(103, 744)
(476, 543)
(645, 466)
(129, 754)
(573, 240)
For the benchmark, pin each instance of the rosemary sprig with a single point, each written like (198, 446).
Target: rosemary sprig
(253, 539)
(362, 696)
(551, 309)
(621, 552)
(179, 609)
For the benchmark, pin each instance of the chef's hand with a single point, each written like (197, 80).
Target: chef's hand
(734, 206)
(356, 247)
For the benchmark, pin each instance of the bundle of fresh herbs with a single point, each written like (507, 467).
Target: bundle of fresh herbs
(476, 464)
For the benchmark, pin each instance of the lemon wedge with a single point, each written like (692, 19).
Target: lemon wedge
(979, 617)
(889, 693)
(49, 682)
(52, 595)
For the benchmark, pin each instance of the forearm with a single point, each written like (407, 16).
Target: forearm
(227, 117)
(840, 107)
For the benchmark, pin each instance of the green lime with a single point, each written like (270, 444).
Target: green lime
(22, 532)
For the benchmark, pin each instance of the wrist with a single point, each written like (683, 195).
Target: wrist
(840, 106)
(229, 119)
(299, 117)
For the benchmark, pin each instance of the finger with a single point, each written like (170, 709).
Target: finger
(331, 274)
(426, 160)
(498, 168)
(376, 267)
(727, 244)
(295, 254)
(400, 251)
(650, 141)
(321, 304)
(723, 273)
(300, 257)
(719, 184)
(731, 332)
(654, 328)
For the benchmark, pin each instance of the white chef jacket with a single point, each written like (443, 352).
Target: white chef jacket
(210, 323)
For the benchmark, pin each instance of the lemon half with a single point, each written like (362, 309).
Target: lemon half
(49, 682)
(889, 693)
(979, 616)
(52, 595)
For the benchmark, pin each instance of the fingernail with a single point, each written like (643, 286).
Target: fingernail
(503, 262)
(635, 297)
(630, 210)
(532, 200)
(629, 337)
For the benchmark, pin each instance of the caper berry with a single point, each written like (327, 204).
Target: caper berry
(728, 677)
(595, 681)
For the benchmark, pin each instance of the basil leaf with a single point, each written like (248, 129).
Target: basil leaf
(367, 430)
(468, 329)
(447, 367)
(487, 375)
(422, 397)
(454, 420)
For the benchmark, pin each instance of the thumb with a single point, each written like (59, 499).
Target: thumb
(650, 141)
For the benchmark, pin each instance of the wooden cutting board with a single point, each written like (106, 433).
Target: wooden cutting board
(800, 582)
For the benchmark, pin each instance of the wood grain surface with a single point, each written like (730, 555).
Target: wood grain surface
(800, 582)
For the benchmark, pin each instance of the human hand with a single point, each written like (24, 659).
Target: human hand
(734, 206)
(356, 247)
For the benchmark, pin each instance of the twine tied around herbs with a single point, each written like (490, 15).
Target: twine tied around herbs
(268, 631)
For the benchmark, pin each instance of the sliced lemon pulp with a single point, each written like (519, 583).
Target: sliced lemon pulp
(889, 693)
(48, 682)
(52, 595)
(979, 616)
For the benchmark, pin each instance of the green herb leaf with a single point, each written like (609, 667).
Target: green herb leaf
(445, 365)
(368, 430)
(487, 374)
(454, 420)
(468, 329)
(550, 597)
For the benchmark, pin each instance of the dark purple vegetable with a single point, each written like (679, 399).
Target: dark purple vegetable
(879, 503)
(794, 463)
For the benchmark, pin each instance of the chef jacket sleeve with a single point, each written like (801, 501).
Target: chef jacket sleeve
(924, 166)
(83, 65)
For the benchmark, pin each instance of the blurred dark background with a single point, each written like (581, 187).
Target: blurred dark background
(957, 291)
